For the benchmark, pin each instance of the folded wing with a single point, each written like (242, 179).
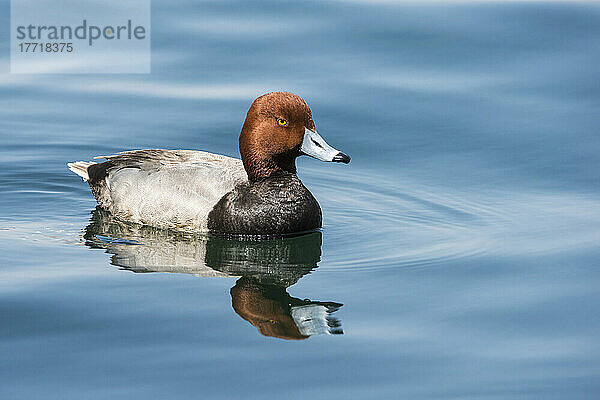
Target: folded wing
(174, 189)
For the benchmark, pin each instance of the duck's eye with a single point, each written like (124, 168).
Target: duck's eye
(281, 122)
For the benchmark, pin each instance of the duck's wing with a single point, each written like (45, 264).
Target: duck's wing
(173, 189)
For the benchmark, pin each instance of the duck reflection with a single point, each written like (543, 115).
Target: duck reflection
(266, 269)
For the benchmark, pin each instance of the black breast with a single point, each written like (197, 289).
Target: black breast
(274, 206)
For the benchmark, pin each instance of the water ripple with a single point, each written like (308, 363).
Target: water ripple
(388, 226)
(370, 222)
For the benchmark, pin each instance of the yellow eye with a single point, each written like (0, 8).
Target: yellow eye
(281, 122)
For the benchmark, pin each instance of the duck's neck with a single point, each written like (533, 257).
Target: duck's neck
(259, 168)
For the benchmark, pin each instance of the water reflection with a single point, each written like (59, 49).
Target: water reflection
(266, 269)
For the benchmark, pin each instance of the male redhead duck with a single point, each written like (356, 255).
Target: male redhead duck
(205, 192)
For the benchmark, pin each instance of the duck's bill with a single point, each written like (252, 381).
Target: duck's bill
(315, 146)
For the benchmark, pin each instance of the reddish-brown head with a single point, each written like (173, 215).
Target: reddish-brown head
(276, 131)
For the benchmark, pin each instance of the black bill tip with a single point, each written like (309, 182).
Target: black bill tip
(341, 157)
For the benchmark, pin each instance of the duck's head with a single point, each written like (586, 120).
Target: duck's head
(278, 128)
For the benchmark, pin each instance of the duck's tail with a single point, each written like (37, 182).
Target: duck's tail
(81, 168)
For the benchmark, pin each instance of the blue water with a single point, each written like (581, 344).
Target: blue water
(460, 249)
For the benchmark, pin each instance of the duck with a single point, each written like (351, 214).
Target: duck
(198, 191)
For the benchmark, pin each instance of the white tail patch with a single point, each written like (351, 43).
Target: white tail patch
(80, 168)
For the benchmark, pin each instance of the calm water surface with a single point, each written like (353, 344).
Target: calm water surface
(459, 255)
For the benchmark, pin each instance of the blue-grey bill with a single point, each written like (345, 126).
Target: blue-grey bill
(315, 146)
